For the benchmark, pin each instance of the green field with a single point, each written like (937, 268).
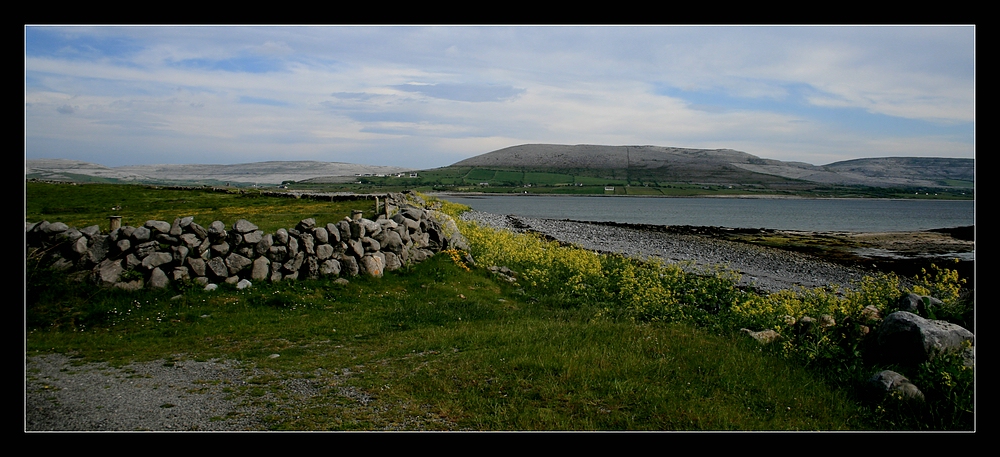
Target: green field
(444, 347)
(584, 181)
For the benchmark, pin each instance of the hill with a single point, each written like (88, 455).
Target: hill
(723, 166)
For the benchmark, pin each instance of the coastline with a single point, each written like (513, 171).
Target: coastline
(741, 196)
(762, 267)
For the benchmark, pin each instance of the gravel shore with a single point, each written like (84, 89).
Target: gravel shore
(763, 268)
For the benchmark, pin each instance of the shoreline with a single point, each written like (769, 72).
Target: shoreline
(741, 196)
(801, 263)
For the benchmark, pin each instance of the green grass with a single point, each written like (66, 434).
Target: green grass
(434, 346)
(89, 204)
(437, 341)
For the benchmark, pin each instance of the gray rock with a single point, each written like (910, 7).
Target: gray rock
(918, 304)
(295, 263)
(321, 235)
(344, 227)
(79, 247)
(197, 266)
(158, 226)
(197, 230)
(763, 336)
(277, 253)
(244, 226)
(180, 254)
(99, 249)
(190, 240)
(281, 237)
(311, 267)
(108, 272)
(180, 274)
(91, 231)
(237, 263)
(392, 241)
(907, 338)
(217, 231)
(158, 279)
(253, 237)
(53, 228)
(261, 269)
(155, 259)
(349, 265)
(372, 266)
(217, 266)
(141, 234)
(306, 225)
(887, 381)
(392, 261)
(333, 233)
(175, 228)
(370, 244)
(330, 267)
(307, 243)
(220, 249)
(324, 251)
(243, 284)
(264, 245)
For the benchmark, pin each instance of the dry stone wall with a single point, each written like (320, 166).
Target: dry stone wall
(159, 252)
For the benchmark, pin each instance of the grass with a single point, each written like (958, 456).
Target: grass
(438, 341)
(89, 204)
(439, 346)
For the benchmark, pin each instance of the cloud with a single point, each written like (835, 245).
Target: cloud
(804, 93)
(463, 92)
(261, 101)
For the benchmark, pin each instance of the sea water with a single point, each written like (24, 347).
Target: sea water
(838, 215)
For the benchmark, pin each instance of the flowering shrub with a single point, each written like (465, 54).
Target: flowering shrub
(941, 283)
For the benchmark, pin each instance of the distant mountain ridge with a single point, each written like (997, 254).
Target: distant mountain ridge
(726, 165)
(274, 172)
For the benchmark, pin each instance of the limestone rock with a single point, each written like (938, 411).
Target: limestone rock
(244, 226)
(905, 337)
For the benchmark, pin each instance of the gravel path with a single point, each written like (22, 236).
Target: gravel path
(181, 396)
(764, 268)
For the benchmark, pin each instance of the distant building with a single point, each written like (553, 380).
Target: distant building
(609, 188)
(413, 175)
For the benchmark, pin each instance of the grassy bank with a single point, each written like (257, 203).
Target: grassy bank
(579, 342)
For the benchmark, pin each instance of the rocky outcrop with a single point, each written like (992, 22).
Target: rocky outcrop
(159, 252)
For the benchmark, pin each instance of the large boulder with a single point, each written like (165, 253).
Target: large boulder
(905, 337)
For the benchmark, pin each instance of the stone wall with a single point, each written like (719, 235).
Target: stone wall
(159, 252)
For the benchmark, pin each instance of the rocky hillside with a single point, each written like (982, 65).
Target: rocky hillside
(725, 165)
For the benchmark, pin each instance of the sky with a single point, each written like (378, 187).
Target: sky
(428, 96)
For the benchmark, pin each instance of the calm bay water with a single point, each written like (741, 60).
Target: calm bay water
(841, 215)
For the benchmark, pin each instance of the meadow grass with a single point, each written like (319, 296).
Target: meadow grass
(578, 342)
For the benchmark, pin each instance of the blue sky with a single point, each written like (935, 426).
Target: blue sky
(425, 97)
